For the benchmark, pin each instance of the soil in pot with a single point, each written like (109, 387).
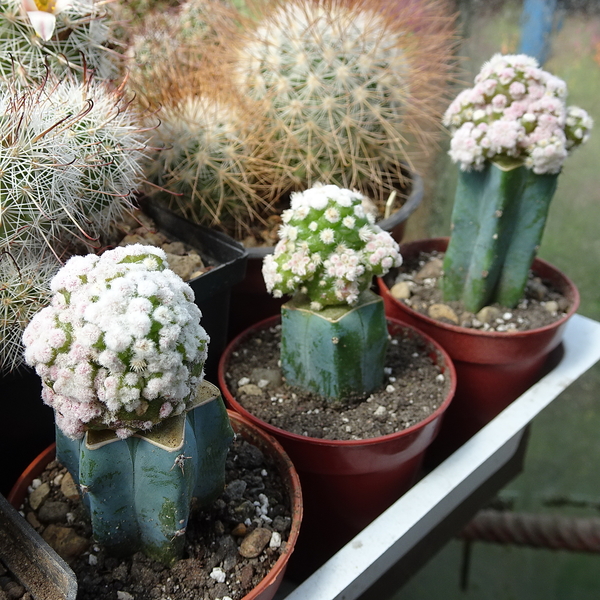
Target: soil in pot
(417, 284)
(355, 458)
(230, 546)
(498, 353)
(414, 388)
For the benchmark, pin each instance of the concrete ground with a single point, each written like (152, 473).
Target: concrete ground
(561, 473)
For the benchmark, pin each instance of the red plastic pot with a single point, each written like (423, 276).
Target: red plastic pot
(493, 368)
(267, 588)
(346, 484)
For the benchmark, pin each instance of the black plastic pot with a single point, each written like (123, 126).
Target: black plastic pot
(31, 561)
(227, 259)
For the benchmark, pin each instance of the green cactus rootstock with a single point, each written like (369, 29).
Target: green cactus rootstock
(138, 490)
(497, 225)
(338, 352)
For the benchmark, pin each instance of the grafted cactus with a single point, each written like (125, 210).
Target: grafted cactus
(67, 35)
(511, 135)
(350, 89)
(334, 332)
(120, 352)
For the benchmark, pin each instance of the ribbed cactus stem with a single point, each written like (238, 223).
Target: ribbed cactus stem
(337, 352)
(138, 491)
(527, 236)
(497, 224)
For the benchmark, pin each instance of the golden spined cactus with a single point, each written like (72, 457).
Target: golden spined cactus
(174, 39)
(208, 153)
(351, 89)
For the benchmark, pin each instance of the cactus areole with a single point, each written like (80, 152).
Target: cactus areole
(334, 332)
(511, 134)
(120, 352)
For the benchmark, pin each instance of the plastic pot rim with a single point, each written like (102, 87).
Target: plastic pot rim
(449, 371)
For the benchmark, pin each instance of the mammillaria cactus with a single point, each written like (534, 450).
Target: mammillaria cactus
(329, 248)
(346, 85)
(24, 290)
(334, 332)
(66, 35)
(120, 352)
(70, 161)
(208, 161)
(511, 135)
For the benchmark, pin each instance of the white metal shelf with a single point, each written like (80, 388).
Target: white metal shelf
(433, 504)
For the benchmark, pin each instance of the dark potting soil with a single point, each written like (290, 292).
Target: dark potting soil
(417, 284)
(414, 387)
(230, 546)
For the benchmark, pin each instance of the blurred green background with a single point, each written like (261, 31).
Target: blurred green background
(561, 473)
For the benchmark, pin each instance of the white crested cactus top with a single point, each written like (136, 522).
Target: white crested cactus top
(121, 345)
(517, 112)
(329, 248)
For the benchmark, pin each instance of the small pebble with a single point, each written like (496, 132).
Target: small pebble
(442, 312)
(401, 290)
(275, 540)
(218, 575)
(255, 542)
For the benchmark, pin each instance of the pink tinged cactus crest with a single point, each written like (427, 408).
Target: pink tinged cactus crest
(516, 112)
(120, 346)
(511, 134)
(329, 248)
(333, 331)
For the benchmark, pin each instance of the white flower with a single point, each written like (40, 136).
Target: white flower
(42, 15)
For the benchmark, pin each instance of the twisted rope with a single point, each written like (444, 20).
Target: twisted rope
(554, 532)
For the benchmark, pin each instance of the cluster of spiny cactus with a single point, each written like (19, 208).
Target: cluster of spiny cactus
(332, 91)
(121, 345)
(70, 159)
(63, 36)
(120, 351)
(329, 248)
(350, 90)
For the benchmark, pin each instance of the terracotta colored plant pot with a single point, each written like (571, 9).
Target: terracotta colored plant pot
(250, 301)
(493, 368)
(346, 484)
(267, 588)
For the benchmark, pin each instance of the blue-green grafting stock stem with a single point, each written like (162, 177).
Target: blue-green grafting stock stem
(138, 490)
(483, 221)
(338, 352)
(527, 235)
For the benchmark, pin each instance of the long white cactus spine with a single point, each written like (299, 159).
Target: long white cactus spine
(70, 161)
